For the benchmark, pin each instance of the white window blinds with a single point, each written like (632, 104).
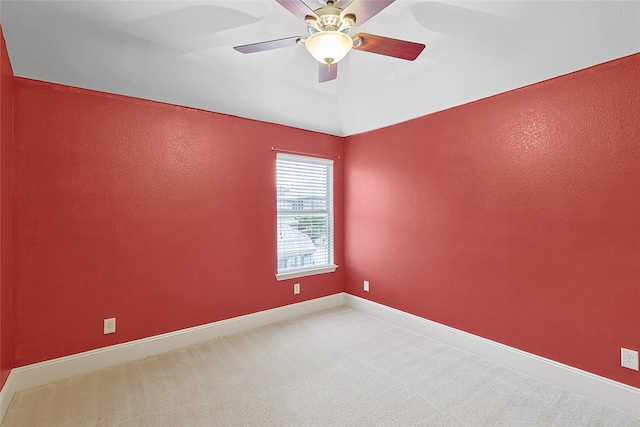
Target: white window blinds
(305, 215)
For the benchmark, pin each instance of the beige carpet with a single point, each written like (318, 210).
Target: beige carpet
(338, 367)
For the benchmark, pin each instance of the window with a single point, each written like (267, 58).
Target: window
(305, 215)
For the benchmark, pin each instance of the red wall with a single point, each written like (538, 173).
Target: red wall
(515, 218)
(161, 216)
(6, 214)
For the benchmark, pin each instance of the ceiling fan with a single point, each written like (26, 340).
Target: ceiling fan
(330, 39)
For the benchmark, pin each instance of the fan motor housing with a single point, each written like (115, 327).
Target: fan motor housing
(329, 2)
(330, 19)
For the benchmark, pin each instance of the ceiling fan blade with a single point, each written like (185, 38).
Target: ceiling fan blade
(387, 46)
(298, 8)
(269, 45)
(365, 9)
(327, 72)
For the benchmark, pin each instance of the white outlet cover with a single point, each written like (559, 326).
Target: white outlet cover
(296, 288)
(629, 359)
(110, 325)
(366, 286)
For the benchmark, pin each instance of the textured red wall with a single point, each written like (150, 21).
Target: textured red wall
(515, 218)
(6, 214)
(158, 215)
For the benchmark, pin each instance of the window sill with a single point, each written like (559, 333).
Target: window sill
(306, 272)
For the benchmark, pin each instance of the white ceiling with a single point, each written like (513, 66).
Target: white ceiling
(180, 52)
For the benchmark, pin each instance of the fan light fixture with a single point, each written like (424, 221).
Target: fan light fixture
(329, 47)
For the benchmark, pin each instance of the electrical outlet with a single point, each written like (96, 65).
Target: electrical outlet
(296, 288)
(366, 286)
(110, 325)
(629, 359)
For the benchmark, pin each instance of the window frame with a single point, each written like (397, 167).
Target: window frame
(330, 266)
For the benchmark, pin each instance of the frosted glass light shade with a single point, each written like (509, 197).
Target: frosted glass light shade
(329, 47)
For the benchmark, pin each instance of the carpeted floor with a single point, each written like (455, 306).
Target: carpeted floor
(338, 367)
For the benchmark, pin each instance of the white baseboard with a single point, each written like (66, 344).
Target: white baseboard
(616, 394)
(6, 394)
(39, 374)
